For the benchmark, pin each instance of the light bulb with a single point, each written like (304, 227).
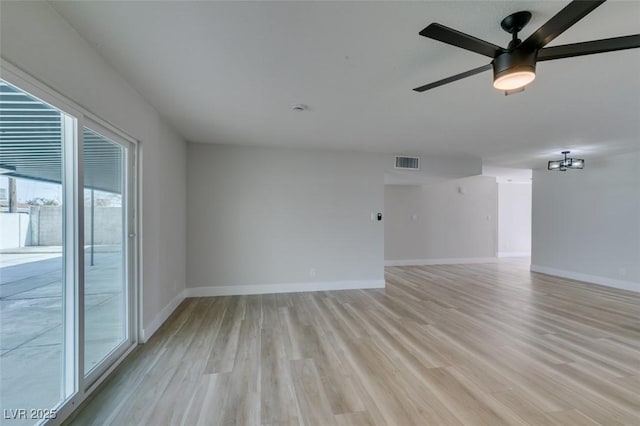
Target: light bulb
(514, 80)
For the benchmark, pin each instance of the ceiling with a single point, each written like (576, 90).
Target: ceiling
(228, 72)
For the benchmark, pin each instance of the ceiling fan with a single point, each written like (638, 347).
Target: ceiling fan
(515, 66)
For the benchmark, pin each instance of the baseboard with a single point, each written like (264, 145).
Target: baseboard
(514, 254)
(162, 316)
(282, 288)
(452, 261)
(592, 279)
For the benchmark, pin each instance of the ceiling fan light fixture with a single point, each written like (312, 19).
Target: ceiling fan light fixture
(576, 163)
(566, 163)
(554, 165)
(514, 70)
(514, 80)
(515, 66)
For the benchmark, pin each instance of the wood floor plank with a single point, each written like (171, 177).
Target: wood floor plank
(243, 403)
(207, 401)
(277, 396)
(223, 354)
(572, 417)
(171, 404)
(518, 404)
(361, 418)
(481, 344)
(314, 404)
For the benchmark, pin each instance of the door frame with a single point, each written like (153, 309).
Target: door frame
(75, 380)
(129, 232)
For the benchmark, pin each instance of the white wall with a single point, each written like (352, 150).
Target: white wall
(514, 219)
(586, 223)
(269, 216)
(14, 230)
(35, 38)
(448, 222)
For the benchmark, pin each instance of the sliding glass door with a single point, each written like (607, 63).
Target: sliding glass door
(34, 284)
(107, 290)
(67, 255)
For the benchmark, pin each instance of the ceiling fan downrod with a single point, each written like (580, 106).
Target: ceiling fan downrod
(513, 24)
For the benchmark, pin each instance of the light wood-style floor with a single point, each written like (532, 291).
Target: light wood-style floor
(441, 345)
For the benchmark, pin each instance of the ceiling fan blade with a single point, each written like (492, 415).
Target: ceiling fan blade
(462, 40)
(589, 47)
(454, 78)
(572, 13)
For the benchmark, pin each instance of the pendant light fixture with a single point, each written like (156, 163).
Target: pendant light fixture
(566, 163)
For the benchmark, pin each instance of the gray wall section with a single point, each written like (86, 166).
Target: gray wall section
(56, 55)
(45, 226)
(276, 216)
(514, 218)
(108, 226)
(588, 221)
(456, 219)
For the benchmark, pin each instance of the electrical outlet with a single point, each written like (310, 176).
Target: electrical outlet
(312, 272)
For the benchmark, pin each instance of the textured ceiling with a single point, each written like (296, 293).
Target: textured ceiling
(228, 72)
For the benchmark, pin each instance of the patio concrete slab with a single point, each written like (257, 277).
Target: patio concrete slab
(31, 330)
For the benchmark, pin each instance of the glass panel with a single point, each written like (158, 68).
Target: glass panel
(105, 281)
(32, 258)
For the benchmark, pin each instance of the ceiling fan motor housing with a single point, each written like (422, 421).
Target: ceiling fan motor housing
(514, 61)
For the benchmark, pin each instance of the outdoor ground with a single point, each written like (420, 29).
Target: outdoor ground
(31, 321)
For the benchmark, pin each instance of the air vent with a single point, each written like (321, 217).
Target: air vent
(407, 163)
